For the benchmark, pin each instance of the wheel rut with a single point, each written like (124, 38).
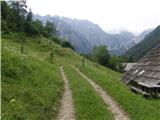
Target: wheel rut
(66, 111)
(117, 111)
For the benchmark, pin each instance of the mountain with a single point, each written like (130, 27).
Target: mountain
(96, 36)
(149, 41)
(84, 35)
(141, 36)
(67, 32)
(121, 42)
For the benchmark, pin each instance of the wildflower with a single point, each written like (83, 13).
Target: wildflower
(12, 100)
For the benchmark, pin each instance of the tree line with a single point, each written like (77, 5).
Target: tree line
(101, 55)
(16, 19)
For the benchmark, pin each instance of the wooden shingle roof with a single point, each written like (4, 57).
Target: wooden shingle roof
(129, 66)
(147, 70)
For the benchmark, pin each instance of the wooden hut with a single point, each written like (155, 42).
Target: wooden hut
(144, 77)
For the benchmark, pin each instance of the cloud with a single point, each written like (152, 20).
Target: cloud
(133, 15)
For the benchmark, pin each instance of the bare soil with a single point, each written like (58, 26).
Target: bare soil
(66, 111)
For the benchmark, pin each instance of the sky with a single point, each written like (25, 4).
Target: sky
(111, 15)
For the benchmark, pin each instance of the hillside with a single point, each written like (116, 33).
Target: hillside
(26, 78)
(44, 78)
(32, 85)
(80, 31)
(139, 50)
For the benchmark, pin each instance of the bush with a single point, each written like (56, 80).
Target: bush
(66, 43)
(31, 28)
(56, 39)
(101, 55)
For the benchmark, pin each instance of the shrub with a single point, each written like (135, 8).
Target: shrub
(66, 43)
(56, 39)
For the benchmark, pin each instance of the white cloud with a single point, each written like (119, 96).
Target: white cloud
(133, 15)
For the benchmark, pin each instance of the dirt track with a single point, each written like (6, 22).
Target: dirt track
(66, 111)
(117, 111)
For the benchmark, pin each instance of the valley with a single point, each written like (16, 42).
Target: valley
(84, 35)
(58, 68)
(85, 98)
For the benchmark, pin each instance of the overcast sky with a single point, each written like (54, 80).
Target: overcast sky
(110, 15)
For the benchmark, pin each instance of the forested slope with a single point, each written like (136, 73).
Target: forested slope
(139, 50)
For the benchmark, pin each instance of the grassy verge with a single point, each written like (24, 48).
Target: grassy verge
(31, 87)
(138, 107)
(88, 104)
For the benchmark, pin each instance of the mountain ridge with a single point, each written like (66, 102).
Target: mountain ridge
(89, 35)
(149, 41)
(141, 36)
(85, 35)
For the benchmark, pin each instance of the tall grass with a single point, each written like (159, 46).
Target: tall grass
(31, 87)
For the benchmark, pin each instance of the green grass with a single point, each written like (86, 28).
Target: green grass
(88, 104)
(31, 86)
(137, 106)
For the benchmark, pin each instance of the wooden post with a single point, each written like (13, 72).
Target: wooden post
(22, 37)
(83, 61)
(22, 49)
(51, 54)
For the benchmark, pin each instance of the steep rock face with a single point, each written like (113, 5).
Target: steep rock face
(65, 31)
(84, 35)
(149, 41)
(96, 36)
(80, 43)
(141, 36)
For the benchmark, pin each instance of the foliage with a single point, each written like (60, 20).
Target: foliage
(66, 43)
(116, 62)
(38, 24)
(101, 55)
(29, 15)
(55, 39)
(15, 18)
(19, 7)
(31, 28)
(49, 29)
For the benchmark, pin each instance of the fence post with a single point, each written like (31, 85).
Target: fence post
(83, 60)
(51, 53)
